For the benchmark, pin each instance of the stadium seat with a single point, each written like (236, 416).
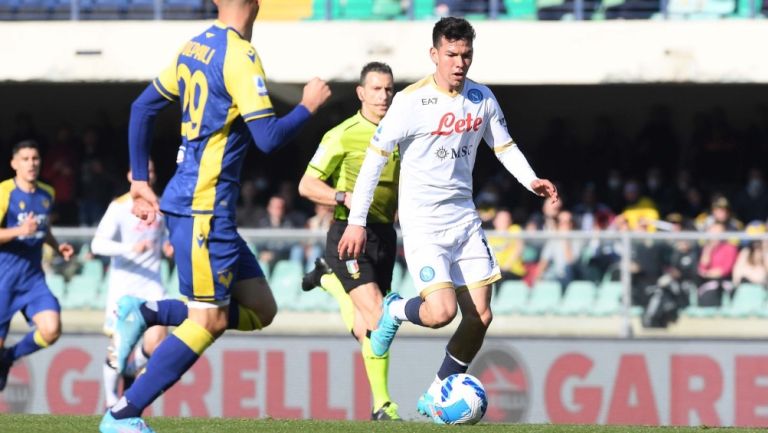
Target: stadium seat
(608, 301)
(316, 299)
(172, 285)
(407, 288)
(56, 283)
(706, 9)
(93, 268)
(748, 300)
(578, 299)
(520, 9)
(182, 9)
(81, 289)
(397, 276)
(423, 9)
(103, 9)
(744, 8)
(544, 298)
(285, 282)
(511, 297)
(386, 9)
(165, 271)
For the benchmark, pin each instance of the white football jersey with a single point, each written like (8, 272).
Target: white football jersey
(438, 135)
(119, 230)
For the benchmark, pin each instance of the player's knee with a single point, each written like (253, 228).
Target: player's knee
(480, 320)
(443, 316)
(50, 334)
(267, 314)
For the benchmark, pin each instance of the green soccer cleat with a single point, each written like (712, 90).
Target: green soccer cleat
(128, 425)
(387, 412)
(129, 328)
(382, 336)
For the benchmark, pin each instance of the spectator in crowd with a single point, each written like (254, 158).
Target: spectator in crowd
(589, 211)
(638, 206)
(720, 213)
(458, 8)
(560, 257)
(59, 169)
(716, 267)
(509, 251)
(320, 222)
(648, 258)
(97, 184)
(684, 257)
(613, 191)
(752, 262)
(276, 218)
(751, 202)
(249, 212)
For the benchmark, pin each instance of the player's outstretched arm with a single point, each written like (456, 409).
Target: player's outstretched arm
(269, 133)
(144, 111)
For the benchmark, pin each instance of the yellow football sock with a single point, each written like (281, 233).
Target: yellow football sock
(331, 284)
(377, 370)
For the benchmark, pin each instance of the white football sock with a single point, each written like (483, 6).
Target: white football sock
(397, 309)
(111, 377)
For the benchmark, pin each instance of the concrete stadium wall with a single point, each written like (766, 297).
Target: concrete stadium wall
(561, 381)
(506, 52)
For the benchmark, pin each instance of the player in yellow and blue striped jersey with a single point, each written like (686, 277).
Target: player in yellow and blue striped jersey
(25, 206)
(220, 84)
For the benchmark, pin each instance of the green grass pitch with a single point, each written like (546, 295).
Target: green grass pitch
(11, 423)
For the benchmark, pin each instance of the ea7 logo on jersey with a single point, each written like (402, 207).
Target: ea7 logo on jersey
(428, 101)
(448, 124)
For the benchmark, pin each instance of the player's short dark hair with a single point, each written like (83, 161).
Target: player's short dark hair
(452, 29)
(25, 144)
(379, 67)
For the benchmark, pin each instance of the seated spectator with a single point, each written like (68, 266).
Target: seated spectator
(276, 218)
(720, 213)
(715, 268)
(752, 201)
(752, 262)
(508, 251)
(559, 258)
(648, 258)
(638, 207)
(249, 212)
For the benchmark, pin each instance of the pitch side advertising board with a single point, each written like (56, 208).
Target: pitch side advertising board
(570, 381)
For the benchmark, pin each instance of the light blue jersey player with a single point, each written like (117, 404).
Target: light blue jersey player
(220, 84)
(25, 206)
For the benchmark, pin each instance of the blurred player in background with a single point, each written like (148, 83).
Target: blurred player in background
(25, 206)
(437, 124)
(136, 251)
(218, 79)
(358, 284)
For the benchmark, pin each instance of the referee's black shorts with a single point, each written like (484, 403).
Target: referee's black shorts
(373, 266)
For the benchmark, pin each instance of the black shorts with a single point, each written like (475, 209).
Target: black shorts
(374, 265)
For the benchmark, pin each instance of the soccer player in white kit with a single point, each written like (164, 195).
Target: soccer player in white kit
(438, 123)
(135, 250)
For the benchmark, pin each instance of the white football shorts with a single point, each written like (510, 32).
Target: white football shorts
(148, 290)
(458, 257)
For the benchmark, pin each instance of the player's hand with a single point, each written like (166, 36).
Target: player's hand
(66, 250)
(145, 203)
(545, 188)
(142, 245)
(352, 242)
(167, 249)
(316, 92)
(29, 226)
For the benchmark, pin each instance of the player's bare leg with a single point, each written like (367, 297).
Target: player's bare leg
(257, 306)
(476, 317)
(47, 331)
(439, 308)
(48, 324)
(367, 299)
